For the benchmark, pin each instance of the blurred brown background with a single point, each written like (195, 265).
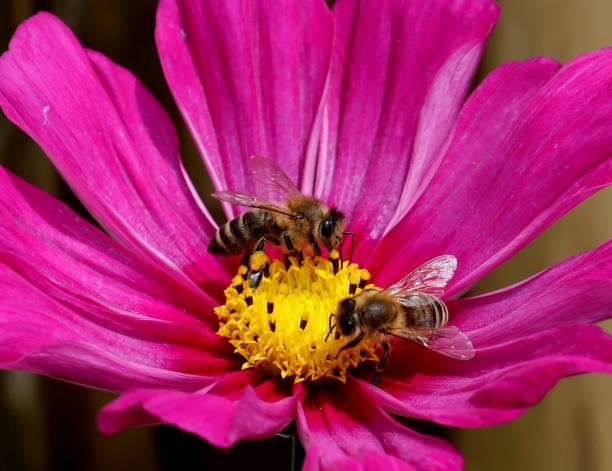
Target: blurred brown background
(48, 425)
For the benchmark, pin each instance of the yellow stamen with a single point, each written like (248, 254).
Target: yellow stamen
(281, 326)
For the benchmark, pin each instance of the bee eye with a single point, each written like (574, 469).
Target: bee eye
(346, 306)
(327, 227)
(349, 304)
(347, 324)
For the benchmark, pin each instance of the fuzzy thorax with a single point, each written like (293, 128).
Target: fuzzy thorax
(282, 325)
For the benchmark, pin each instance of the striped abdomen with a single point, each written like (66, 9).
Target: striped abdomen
(427, 311)
(241, 233)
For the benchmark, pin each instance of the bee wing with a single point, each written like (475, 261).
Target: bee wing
(431, 277)
(244, 199)
(269, 180)
(448, 341)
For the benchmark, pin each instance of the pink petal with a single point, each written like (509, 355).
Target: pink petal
(529, 145)
(113, 144)
(526, 338)
(499, 384)
(578, 290)
(75, 305)
(342, 428)
(239, 406)
(40, 334)
(399, 73)
(248, 78)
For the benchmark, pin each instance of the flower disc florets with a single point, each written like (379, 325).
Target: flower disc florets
(283, 325)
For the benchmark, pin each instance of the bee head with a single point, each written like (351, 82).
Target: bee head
(346, 316)
(331, 227)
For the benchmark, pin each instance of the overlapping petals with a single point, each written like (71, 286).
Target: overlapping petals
(362, 106)
(248, 77)
(526, 338)
(112, 142)
(530, 144)
(75, 305)
(400, 71)
(238, 406)
(344, 428)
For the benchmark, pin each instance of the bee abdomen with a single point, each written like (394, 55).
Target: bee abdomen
(440, 314)
(430, 312)
(239, 234)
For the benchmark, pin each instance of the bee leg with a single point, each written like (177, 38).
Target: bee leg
(335, 262)
(255, 276)
(260, 245)
(315, 247)
(288, 242)
(352, 343)
(255, 279)
(291, 250)
(245, 261)
(381, 364)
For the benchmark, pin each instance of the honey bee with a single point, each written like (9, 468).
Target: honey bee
(284, 216)
(410, 309)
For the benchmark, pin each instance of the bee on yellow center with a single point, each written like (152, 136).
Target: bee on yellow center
(283, 325)
(281, 317)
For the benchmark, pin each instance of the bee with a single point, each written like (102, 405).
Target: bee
(410, 309)
(283, 216)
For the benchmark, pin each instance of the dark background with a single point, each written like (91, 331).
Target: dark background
(49, 425)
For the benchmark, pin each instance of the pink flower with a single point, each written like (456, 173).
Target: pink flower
(365, 107)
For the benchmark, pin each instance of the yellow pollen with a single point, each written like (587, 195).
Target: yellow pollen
(282, 325)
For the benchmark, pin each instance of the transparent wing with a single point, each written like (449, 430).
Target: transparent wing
(269, 180)
(448, 341)
(431, 277)
(244, 199)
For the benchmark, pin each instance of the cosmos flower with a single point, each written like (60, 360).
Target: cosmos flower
(364, 106)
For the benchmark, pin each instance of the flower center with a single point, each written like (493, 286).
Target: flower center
(283, 325)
